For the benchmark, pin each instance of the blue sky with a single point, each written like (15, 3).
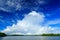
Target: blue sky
(29, 16)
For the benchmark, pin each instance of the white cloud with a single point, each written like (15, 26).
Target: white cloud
(56, 21)
(1, 20)
(14, 4)
(9, 5)
(4, 9)
(41, 2)
(1, 16)
(31, 24)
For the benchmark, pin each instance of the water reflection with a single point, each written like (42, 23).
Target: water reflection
(50, 37)
(1, 38)
(30, 38)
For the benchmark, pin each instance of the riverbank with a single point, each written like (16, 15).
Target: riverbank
(3, 35)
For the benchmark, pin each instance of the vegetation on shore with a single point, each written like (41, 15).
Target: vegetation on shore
(50, 35)
(15, 35)
(2, 34)
(38, 35)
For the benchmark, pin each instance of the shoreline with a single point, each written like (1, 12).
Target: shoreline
(3, 35)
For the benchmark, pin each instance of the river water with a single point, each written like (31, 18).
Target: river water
(30, 38)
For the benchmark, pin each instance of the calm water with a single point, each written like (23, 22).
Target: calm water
(30, 38)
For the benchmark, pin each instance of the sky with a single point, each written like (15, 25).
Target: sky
(30, 17)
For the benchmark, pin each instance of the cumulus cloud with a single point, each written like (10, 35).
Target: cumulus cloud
(31, 24)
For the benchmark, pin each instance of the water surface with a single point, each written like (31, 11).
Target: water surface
(30, 38)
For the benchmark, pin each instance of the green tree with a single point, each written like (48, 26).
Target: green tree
(2, 34)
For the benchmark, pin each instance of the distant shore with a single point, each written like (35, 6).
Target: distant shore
(50, 35)
(3, 35)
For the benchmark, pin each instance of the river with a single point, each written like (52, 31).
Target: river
(30, 38)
